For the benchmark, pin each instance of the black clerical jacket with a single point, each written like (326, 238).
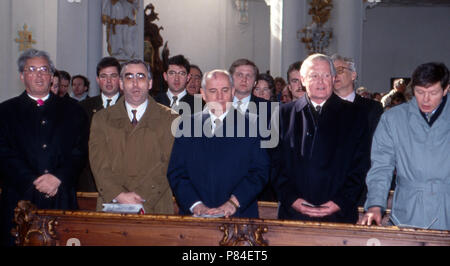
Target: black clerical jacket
(321, 157)
(38, 140)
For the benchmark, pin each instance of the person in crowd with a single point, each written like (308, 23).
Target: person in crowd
(54, 86)
(294, 82)
(43, 144)
(376, 96)
(108, 76)
(194, 84)
(413, 138)
(225, 183)
(344, 87)
(280, 84)
(398, 86)
(244, 73)
(323, 151)
(64, 84)
(264, 87)
(177, 77)
(396, 99)
(286, 95)
(130, 144)
(80, 88)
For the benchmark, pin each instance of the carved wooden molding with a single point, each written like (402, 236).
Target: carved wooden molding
(33, 230)
(243, 235)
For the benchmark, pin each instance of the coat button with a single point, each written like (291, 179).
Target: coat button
(45, 171)
(43, 122)
(44, 146)
(153, 187)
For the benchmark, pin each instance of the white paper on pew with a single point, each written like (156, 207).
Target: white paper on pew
(122, 208)
(209, 215)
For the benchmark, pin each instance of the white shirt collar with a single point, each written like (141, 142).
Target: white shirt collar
(180, 95)
(245, 101)
(114, 99)
(44, 99)
(214, 117)
(140, 110)
(316, 104)
(350, 97)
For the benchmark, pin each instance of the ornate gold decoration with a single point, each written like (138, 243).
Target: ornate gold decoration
(31, 230)
(153, 41)
(25, 39)
(315, 36)
(243, 235)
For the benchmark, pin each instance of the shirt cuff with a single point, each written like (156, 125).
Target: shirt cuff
(193, 206)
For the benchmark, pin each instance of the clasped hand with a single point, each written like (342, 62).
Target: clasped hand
(227, 209)
(323, 210)
(47, 184)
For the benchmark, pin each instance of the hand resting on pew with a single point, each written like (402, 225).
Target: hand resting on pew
(373, 214)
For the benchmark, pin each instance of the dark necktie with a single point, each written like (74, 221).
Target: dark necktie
(134, 121)
(108, 103)
(174, 101)
(318, 109)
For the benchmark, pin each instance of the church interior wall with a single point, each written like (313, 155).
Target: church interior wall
(209, 34)
(397, 39)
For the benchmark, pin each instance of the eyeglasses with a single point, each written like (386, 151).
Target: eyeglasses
(340, 70)
(137, 76)
(109, 76)
(33, 70)
(173, 73)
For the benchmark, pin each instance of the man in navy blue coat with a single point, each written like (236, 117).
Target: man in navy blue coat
(217, 166)
(43, 144)
(323, 154)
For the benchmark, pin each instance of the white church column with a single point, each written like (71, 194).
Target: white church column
(94, 44)
(80, 39)
(347, 28)
(295, 17)
(8, 64)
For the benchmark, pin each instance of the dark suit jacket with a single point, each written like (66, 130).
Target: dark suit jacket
(212, 169)
(373, 109)
(162, 98)
(264, 112)
(37, 140)
(321, 160)
(86, 181)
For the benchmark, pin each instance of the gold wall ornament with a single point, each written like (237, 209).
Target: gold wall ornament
(25, 39)
(243, 235)
(316, 36)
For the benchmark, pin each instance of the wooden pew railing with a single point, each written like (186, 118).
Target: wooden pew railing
(60, 228)
(87, 201)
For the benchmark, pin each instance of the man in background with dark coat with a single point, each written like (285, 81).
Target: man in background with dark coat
(108, 76)
(43, 144)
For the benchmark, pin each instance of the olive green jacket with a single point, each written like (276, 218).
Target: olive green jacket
(133, 159)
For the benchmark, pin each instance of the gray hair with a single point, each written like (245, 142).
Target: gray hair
(213, 74)
(348, 60)
(316, 57)
(32, 53)
(136, 62)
